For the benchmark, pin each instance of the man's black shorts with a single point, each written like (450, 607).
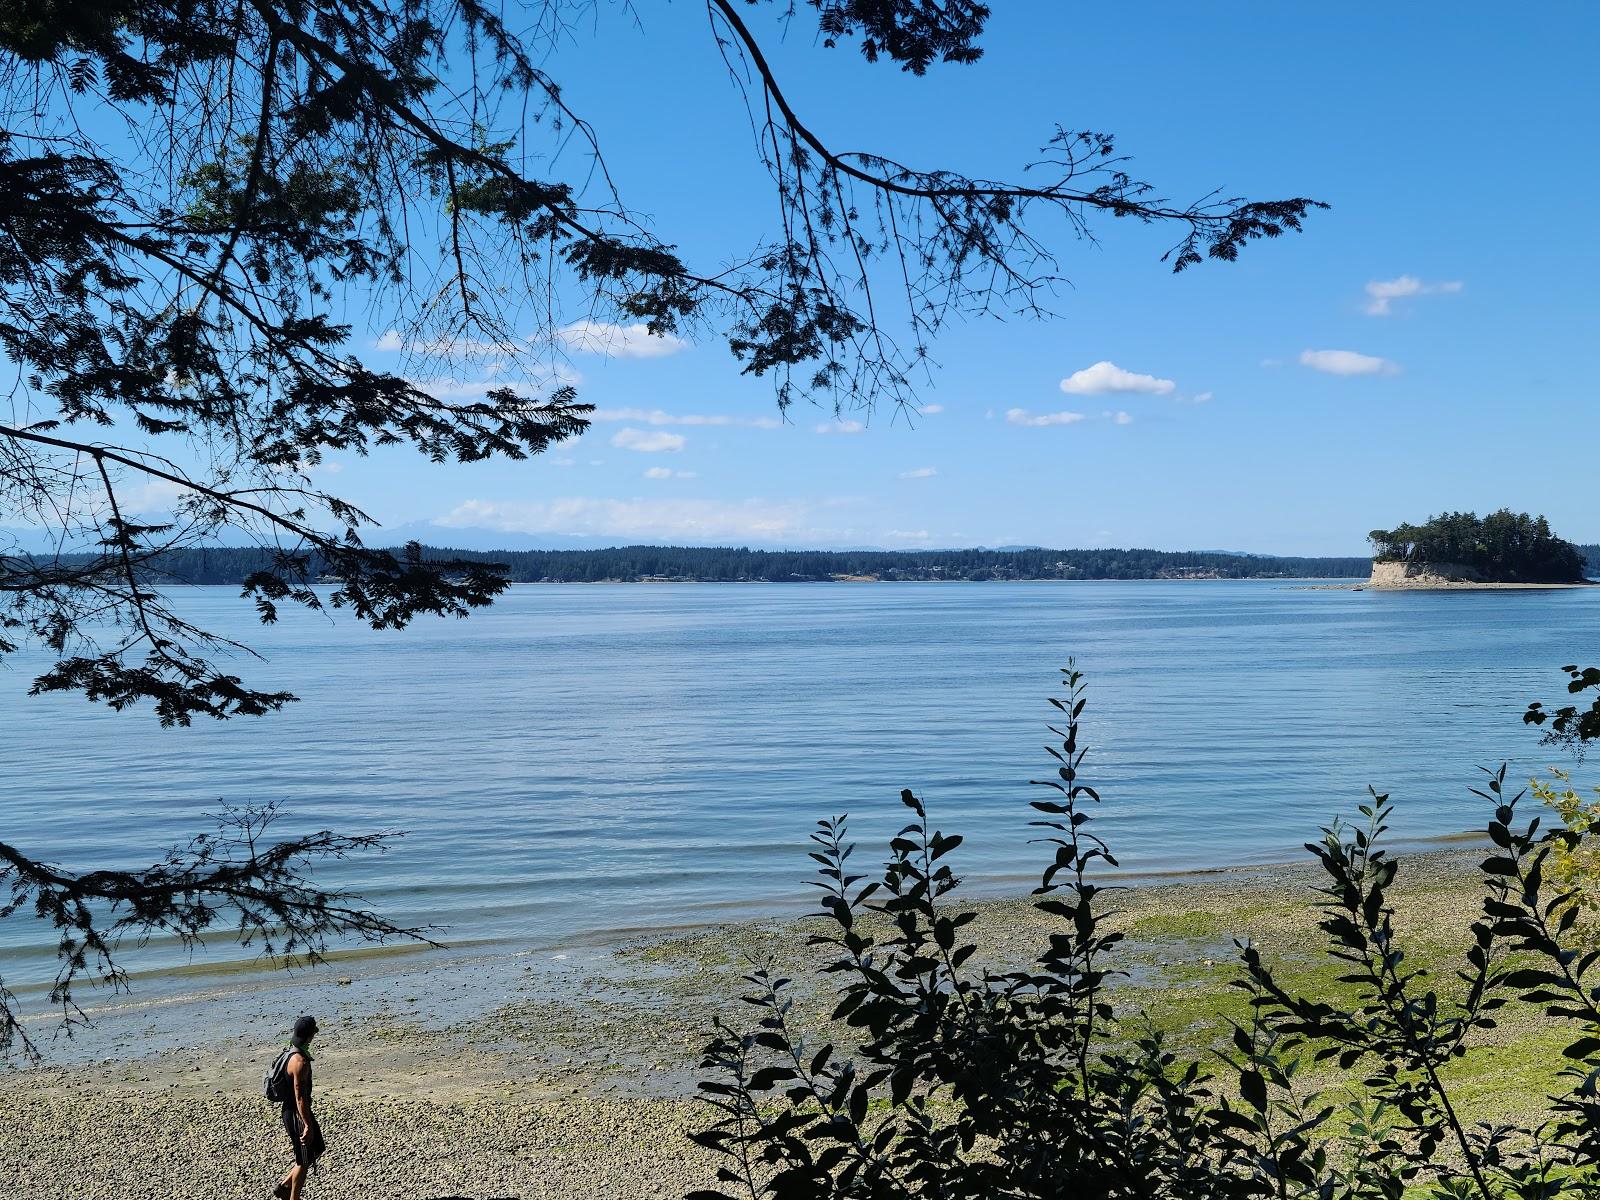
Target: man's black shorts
(306, 1151)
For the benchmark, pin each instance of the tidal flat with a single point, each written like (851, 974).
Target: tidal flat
(572, 1073)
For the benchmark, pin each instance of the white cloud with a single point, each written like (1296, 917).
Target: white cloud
(655, 416)
(328, 466)
(647, 443)
(664, 518)
(156, 496)
(619, 341)
(683, 521)
(841, 427)
(1108, 377)
(1021, 416)
(1120, 418)
(1346, 362)
(920, 473)
(562, 462)
(1198, 398)
(541, 379)
(929, 410)
(1381, 293)
(391, 339)
(668, 473)
(455, 389)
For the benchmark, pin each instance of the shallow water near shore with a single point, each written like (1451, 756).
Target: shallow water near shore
(579, 761)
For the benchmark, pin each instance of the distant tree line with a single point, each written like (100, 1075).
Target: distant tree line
(1503, 545)
(710, 564)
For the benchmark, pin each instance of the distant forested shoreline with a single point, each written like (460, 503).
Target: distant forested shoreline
(633, 564)
(708, 564)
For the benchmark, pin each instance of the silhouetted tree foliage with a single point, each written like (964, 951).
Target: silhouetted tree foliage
(235, 881)
(712, 564)
(1571, 725)
(978, 1083)
(1502, 546)
(196, 196)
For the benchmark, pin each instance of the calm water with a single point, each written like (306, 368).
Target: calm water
(580, 760)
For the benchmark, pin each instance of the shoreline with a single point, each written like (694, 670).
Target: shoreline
(568, 1073)
(1294, 583)
(1460, 585)
(201, 981)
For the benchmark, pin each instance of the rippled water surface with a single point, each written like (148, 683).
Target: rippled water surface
(583, 759)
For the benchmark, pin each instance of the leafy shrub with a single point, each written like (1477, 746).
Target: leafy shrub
(1575, 861)
(974, 1083)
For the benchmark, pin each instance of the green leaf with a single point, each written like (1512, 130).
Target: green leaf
(1254, 1089)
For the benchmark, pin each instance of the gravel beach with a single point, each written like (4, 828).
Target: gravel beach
(570, 1074)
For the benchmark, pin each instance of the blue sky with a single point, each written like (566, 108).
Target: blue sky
(1426, 344)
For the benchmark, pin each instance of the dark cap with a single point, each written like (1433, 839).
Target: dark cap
(305, 1027)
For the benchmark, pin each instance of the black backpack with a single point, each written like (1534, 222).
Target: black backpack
(276, 1086)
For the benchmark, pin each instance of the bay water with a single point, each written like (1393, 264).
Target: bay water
(579, 761)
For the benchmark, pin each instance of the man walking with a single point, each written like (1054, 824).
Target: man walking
(298, 1118)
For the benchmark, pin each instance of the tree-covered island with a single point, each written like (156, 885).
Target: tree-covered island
(1503, 547)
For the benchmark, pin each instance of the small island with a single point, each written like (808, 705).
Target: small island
(1462, 550)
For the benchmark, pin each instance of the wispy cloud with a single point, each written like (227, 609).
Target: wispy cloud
(647, 442)
(655, 416)
(1118, 418)
(1108, 377)
(455, 347)
(668, 473)
(1021, 416)
(920, 473)
(1382, 293)
(684, 521)
(1197, 398)
(841, 427)
(456, 389)
(1347, 362)
(930, 410)
(156, 496)
(619, 341)
(539, 380)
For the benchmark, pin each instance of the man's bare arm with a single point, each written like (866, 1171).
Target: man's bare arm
(298, 1071)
